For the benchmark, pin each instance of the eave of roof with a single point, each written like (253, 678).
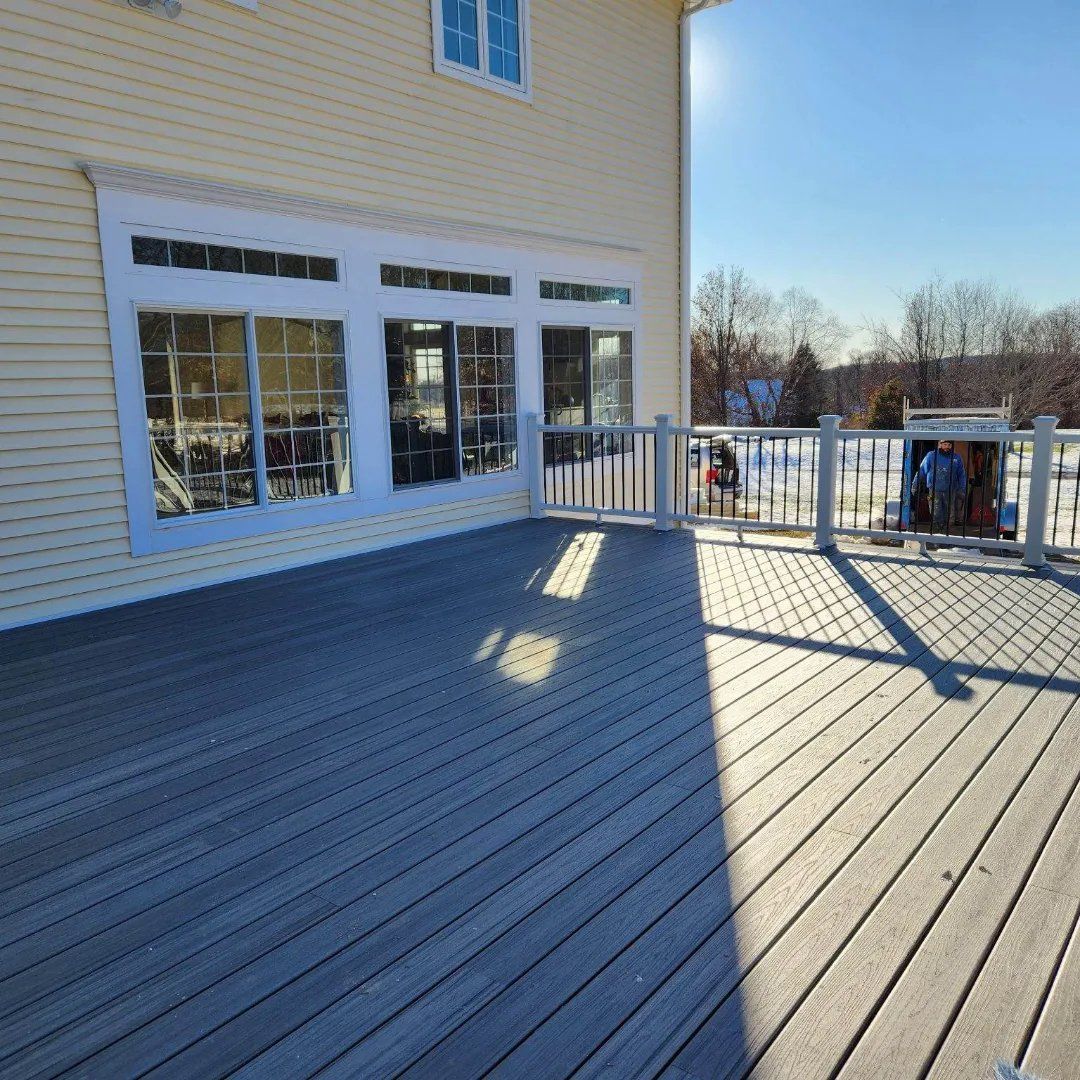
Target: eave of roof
(690, 7)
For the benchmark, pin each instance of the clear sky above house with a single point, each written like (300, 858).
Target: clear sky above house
(857, 147)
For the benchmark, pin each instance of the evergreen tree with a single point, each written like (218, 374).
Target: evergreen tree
(886, 408)
(804, 394)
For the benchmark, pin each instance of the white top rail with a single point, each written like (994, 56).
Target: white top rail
(765, 432)
(598, 429)
(1067, 436)
(958, 435)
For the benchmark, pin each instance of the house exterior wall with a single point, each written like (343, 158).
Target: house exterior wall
(330, 100)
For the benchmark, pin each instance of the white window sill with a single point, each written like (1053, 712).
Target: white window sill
(177, 534)
(451, 70)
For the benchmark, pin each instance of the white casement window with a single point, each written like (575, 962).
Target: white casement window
(452, 400)
(243, 410)
(484, 42)
(588, 375)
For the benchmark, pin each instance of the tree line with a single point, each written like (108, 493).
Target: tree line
(775, 360)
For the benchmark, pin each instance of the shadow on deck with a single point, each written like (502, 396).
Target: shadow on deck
(547, 800)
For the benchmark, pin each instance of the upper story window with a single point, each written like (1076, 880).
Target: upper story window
(483, 41)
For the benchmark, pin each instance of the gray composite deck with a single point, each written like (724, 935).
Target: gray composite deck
(541, 801)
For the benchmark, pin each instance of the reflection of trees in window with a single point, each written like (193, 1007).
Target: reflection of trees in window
(487, 393)
(305, 411)
(198, 411)
(419, 370)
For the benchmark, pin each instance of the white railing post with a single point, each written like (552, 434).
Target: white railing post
(663, 479)
(536, 472)
(1038, 506)
(826, 483)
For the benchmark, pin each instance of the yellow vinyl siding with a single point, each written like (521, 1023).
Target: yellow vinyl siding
(329, 99)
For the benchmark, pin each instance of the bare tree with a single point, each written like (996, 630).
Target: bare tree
(730, 312)
(922, 340)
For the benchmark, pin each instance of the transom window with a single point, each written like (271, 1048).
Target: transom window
(210, 449)
(584, 293)
(192, 255)
(452, 400)
(394, 276)
(484, 39)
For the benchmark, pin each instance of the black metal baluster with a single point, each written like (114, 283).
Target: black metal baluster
(545, 442)
(708, 472)
(760, 454)
(798, 485)
(1019, 482)
(843, 477)
(1076, 504)
(933, 494)
(949, 497)
(870, 501)
(1057, 495)
(813, 474)
(772, 477)
(746, 483)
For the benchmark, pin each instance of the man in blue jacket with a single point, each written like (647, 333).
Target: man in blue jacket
(943, 477)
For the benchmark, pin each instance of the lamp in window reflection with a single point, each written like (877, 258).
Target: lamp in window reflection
(171, 8)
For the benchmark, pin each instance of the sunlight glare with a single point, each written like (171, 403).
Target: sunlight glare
(571, 574)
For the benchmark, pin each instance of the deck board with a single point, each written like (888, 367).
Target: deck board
(545, 799)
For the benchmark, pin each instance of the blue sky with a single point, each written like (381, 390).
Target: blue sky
(856, 147)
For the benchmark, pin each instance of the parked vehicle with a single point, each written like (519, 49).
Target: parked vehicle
(714, 477)
(984, 509)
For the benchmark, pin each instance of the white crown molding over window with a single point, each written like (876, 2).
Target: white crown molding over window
(146, 182)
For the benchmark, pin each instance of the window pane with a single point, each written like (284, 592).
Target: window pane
(149, 251)
(612, 365)
(565, 352)
(306, 433)
(460, 32)
(488, 399)
(419, 360)
(198, 411)
(504, 45)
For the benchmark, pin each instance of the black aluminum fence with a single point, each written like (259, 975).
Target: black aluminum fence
(746, 478)
(1063, 524)
(898, 485)
(598, 470)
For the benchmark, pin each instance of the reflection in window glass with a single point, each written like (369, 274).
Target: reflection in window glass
(461, 42)
(198, 411)
(192, 255)
(612, 377)
(504, 40)
(486, 391)
(566, 352)
(305, 410)
(419, 369)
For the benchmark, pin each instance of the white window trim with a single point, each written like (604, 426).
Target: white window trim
(357, 300)
(443, 66)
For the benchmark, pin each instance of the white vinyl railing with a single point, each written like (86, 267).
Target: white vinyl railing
(826, 482)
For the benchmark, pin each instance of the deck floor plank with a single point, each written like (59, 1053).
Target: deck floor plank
(636, 805)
